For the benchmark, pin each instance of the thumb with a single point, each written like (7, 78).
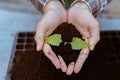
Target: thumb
(41, 31)
(39, 37)
(93, 42)
(95, 35)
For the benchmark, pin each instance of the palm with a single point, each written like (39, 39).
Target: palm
(55, 14)
(80, 16)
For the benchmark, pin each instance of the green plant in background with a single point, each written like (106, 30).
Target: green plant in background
(76, 43)
(68, 3)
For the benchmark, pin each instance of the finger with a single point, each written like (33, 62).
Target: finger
(62, 64)
(51, 55)
(81, 59)
(95, 34)
(39, 37)
(85, 35)
(70, 68)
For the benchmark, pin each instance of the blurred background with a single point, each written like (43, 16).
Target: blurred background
(17, 6)
(21, 15)
(24, 6)
(114, 7)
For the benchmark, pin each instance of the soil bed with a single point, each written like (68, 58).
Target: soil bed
(33, 65)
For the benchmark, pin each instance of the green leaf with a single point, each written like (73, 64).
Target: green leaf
(78, 43)
(54, 39)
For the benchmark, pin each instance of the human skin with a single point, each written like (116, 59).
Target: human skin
(54, 15)
(80, 16)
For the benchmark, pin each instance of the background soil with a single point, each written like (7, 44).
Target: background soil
(32, 65)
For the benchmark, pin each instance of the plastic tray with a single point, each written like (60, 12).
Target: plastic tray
(104, 61)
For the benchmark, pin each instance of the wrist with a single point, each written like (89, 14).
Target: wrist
(82, 5)
(51, 4)
(56, 7)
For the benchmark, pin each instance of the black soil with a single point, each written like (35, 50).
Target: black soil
(33, 65)
(68, 31)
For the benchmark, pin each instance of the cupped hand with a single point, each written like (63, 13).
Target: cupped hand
(80, 16)
(54, 15)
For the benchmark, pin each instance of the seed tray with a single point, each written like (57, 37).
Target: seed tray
(104, 61)
(24, 41)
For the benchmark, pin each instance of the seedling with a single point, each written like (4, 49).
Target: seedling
(76, 43)
(54, 39)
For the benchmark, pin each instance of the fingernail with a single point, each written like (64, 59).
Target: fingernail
(58, 56)
(72, 63)
(58, 66)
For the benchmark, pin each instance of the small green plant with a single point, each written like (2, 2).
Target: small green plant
(54, 39)
(76, 43)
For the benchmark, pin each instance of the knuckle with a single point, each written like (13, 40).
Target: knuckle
(63, 69)
(46, 52)
(86, 56)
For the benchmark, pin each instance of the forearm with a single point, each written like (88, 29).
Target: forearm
(39, 4)
(97, 6)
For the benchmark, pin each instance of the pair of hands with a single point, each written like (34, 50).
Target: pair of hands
(80, 16)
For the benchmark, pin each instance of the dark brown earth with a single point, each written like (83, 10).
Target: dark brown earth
(68, 31)
(33, 65)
